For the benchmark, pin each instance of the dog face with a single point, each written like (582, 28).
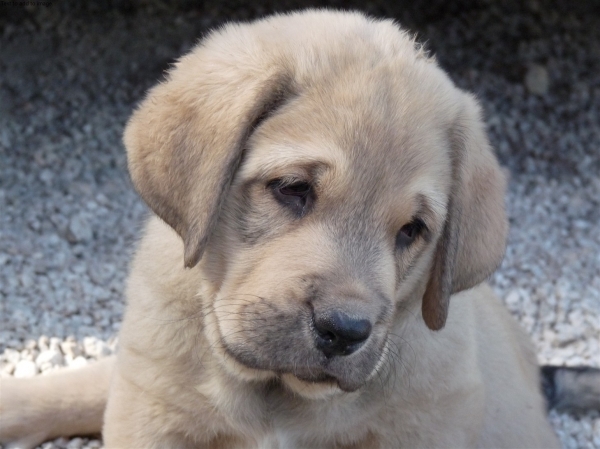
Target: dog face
(330, 177)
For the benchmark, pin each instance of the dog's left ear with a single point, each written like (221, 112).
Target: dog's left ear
(474, 238)
(185, 142)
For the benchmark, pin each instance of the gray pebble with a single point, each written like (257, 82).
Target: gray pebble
(79, 229)
(537, 80)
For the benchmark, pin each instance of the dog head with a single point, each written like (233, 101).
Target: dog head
(327, 175)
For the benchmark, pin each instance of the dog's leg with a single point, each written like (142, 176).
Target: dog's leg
(69, 402)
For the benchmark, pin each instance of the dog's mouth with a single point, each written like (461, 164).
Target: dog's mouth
(317, 374)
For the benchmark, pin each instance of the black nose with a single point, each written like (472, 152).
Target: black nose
(339, 334)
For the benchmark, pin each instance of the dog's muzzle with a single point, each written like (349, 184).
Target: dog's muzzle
(332, 338)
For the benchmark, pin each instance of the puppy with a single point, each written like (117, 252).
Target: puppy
(323, 193)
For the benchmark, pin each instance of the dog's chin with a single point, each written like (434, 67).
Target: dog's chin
(314, 390)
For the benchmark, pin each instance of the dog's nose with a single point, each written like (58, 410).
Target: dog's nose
(339, 334)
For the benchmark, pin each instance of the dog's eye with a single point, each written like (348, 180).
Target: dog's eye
(301, 189)
(298, 196)
(409, 233)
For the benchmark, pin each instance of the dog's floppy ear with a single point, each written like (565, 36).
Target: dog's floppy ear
(473, 241)
(185, 140)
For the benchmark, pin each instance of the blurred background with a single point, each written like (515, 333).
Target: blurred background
(72, 72)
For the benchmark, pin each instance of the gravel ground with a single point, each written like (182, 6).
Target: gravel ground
(71, 74)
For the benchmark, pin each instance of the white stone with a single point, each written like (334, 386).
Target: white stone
(78, 362)
(8, 368)
(43, 343)
(513, 299)
(70, 349)
(51, 357)
(25, 368)
(12, 355)
(95, 347)
(75, 443)
(55, 343)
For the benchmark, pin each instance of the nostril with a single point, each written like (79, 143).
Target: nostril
(340, 334)
(326, 335)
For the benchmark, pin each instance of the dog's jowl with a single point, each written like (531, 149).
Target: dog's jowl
(327, 210)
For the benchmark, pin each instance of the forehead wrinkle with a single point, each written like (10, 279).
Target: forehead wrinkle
(266, 159)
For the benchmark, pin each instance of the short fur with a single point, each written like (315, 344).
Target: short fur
(217, 346)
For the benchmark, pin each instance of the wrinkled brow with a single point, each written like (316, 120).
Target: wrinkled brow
(274, 160)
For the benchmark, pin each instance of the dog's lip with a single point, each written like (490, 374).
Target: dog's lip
(348, 386)
(318, 376)
(319, 379)
(324, 379)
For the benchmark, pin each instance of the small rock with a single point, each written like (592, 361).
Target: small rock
(8, 368)
(101, 274)
(50, 357)
(79, 229)
(46, 176)
(25, 368)
(26, 280)
(513, 298)
(94, 347)
(70, 349)
(27, 354)
(55, 343)
(537, 80)
(567, 334)
(59, 443)
(43, 343)
(549, 335)
(75, 443)
(31, 344)
(78, 362)
(12, 355)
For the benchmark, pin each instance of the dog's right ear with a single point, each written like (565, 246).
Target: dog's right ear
(185, 140)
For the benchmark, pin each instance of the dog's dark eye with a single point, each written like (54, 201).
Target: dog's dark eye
(409, 233)
(297, 196)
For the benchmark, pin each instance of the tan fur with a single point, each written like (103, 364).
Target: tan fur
(223, 353)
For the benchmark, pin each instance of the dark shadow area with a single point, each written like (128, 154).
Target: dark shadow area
(488, 47)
